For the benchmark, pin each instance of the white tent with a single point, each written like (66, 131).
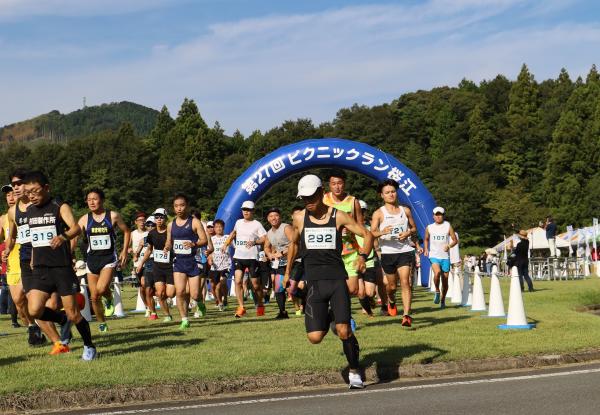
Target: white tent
(537, 240)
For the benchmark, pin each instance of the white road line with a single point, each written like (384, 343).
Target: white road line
(349, 393)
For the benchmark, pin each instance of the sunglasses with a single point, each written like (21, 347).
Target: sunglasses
(159, 216)
(247, 210)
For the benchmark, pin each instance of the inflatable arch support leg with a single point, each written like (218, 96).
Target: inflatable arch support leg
(323, 153)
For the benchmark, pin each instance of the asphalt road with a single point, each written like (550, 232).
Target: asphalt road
(569, 390)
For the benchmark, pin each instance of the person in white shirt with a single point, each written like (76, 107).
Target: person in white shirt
(137, 238)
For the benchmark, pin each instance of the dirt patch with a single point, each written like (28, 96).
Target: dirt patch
(53, 400)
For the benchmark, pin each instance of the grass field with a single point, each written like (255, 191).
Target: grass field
(137, 351)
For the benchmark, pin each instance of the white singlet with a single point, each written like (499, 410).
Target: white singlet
(220, 260)
(389, 243)
(244, 232)
(136, 237)
(439, 235)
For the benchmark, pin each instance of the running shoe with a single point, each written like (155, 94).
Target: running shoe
(167, 319)
(59, 348)
(355, 381)
(392, 310)
(36, 338)
(384, 311)
(239, 312)
(436, 298)
(353, 325)
(443, 304)
(153, 316)
(89, 353)
(299, 313)
(282, 316)
(65, 332)
(147, 313)
(185, 324)
(200, 310)
(406, 320)
(109, 308)
(260, 310)
(221, 307)
(16, 325)
(103, 327)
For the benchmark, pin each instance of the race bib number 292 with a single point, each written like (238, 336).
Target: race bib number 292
(319, 238)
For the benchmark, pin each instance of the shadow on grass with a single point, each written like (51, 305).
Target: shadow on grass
(141, 346)
(10, 360)
(418, 322)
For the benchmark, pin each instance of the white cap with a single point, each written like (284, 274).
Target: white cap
(308, 185)
(80, 268)
(363, 204)
(248, 204)
(438, 209)
(151, 219)
(160, 211)
(210, 223)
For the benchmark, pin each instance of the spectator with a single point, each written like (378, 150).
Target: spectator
(550, 228)
(521, 260)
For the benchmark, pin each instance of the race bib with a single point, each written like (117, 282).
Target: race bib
(180, 249)
(100, 242)
(42, 235)
(161, 256)
(319, 238)
(439, 238)
(261, 256)
(397, 230)
(23, 234)
(240, 243)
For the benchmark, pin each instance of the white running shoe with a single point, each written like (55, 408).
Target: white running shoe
(147, 313)
(355, 381)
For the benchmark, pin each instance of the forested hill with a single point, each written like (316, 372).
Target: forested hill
(498, 155)
(57, 127)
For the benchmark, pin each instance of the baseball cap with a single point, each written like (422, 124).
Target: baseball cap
(7, 188)
(273, 209)
(151, 219)
(210, 223)
(363, 204)
(160, 211)
(140, 215)
(438, 209)
(308, 185)
(248, 204)
(80, 268)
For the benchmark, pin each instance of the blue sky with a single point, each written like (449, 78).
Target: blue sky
(253, 64)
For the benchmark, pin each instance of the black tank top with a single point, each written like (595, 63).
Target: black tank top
(100, 236)
(45, 223)
(321, 247)
(23, 234)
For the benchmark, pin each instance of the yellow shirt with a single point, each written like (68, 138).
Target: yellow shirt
(13, 269)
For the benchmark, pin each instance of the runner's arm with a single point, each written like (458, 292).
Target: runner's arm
(375, 222)
(12, 234)
(228, 241)
(168, 243)
(66, 214)
(453, 237)
(426, 243)
(202, 239)
(412, 228)
(117, 219)
(358, 212)
(293, 246)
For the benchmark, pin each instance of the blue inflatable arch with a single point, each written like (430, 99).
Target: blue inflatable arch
(329, 152)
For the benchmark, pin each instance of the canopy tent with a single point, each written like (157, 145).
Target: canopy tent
(537, 240)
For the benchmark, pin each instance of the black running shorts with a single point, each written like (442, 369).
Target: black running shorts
(246, 264)
(61, 280)
(391, 262)
(321, 295)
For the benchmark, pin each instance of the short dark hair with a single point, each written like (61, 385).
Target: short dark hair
(387, 182)
(18, 172)
(297, 208)
(96, 190)
(197, 214)
(336, 173)
(35, 177)
(219, 221)
(180, 196)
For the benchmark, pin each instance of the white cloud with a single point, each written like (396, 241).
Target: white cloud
(256, 73)
(11, 9)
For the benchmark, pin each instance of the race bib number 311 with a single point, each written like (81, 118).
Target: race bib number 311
(100, 242)
(42, 235)
(319, 238)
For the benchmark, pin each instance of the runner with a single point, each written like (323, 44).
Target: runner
(247, 233)
(52, 225)
(202, 262)
(137, 242)
(318, 231)
(276, 247)
(393, 225)
(11, 265)
(297, 284)
(157, 265)
(368, 279)
(102, 260)
(436, 245)
(220, 263)
(185, 234)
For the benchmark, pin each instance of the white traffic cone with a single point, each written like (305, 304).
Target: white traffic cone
(450, 292)
(516, 310)
(86, 312)
(431, 283)
(467, 295)
(117, 301)
(456, 287)
(496, 308)
(586, 268)
(478, 303)
(140, 307)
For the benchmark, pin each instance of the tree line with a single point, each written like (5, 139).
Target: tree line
(498, 156)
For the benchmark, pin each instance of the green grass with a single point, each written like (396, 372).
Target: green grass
(137, 351)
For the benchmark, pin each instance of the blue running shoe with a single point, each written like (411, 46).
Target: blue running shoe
(352, 324)
(89, 353)
(436, 298)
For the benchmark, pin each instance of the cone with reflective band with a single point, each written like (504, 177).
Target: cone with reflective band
(496, 305)
(456, 288)
(117, 301)
(478, 303)
(140, 307)
(86, 312)
(431, 283)
(516, 319)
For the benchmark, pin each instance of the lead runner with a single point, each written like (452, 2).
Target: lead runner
(318, 230)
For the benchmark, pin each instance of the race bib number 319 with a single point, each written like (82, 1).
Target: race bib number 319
(319, 238)
(42, 235)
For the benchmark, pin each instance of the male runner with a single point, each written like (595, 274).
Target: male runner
(247, 233)
(297, 284)
(99, 228)
(393, 225)
(439, 239)
(11, 265)
(368, 279)
(202, 263)
(52, 225)
(276, 247)
(220, 263)
(137, 241)
(318, 230)
(185, 234)
(161, 276)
